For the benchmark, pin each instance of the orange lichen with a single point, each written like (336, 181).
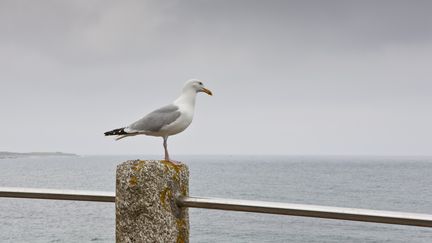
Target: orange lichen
(164, 195)
(171, 165)
(133, 181)
(181, 228)
(139, 165)
(184, 191)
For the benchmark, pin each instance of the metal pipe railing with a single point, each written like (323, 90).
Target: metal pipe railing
(353, 214)
(56, 194)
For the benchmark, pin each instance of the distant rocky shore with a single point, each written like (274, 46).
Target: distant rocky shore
(12, 155)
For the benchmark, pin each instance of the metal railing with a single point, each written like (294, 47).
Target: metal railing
(57, 194)
(305, 210)
(353, 214)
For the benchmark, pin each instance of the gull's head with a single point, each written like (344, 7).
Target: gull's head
(197, 86)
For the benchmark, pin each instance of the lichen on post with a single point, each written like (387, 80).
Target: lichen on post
(145, 202)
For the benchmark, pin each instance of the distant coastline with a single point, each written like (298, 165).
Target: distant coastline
(13, 155)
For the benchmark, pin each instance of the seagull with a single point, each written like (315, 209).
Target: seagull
(168, 120)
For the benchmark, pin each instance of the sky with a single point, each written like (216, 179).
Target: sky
(288, 77)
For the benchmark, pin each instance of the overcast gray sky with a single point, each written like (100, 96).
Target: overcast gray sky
(289, 77)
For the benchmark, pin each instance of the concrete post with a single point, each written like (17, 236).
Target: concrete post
(145, 206)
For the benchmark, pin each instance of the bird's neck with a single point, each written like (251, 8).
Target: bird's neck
(187, 97)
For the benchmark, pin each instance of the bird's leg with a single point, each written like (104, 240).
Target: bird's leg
(166, 152)
(166, 148)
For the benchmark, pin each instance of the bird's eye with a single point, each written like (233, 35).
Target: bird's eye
(200, 83)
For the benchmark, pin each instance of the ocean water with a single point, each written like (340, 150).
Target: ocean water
(383, 183)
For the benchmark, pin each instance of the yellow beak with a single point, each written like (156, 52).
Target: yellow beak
(207, 91)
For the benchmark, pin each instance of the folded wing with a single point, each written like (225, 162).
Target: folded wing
(155, 121)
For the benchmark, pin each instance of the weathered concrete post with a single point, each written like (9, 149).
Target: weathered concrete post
(145, 206)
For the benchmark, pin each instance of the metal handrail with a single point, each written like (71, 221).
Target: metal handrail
(305, 210)
(353, 214)
(56, 194)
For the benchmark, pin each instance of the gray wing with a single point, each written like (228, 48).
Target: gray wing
(155, 120)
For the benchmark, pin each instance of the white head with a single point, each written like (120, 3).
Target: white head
(197, 86)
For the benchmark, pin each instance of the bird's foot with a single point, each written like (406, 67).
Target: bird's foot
(174, 162)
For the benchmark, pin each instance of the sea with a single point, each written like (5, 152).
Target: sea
(370, 182)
